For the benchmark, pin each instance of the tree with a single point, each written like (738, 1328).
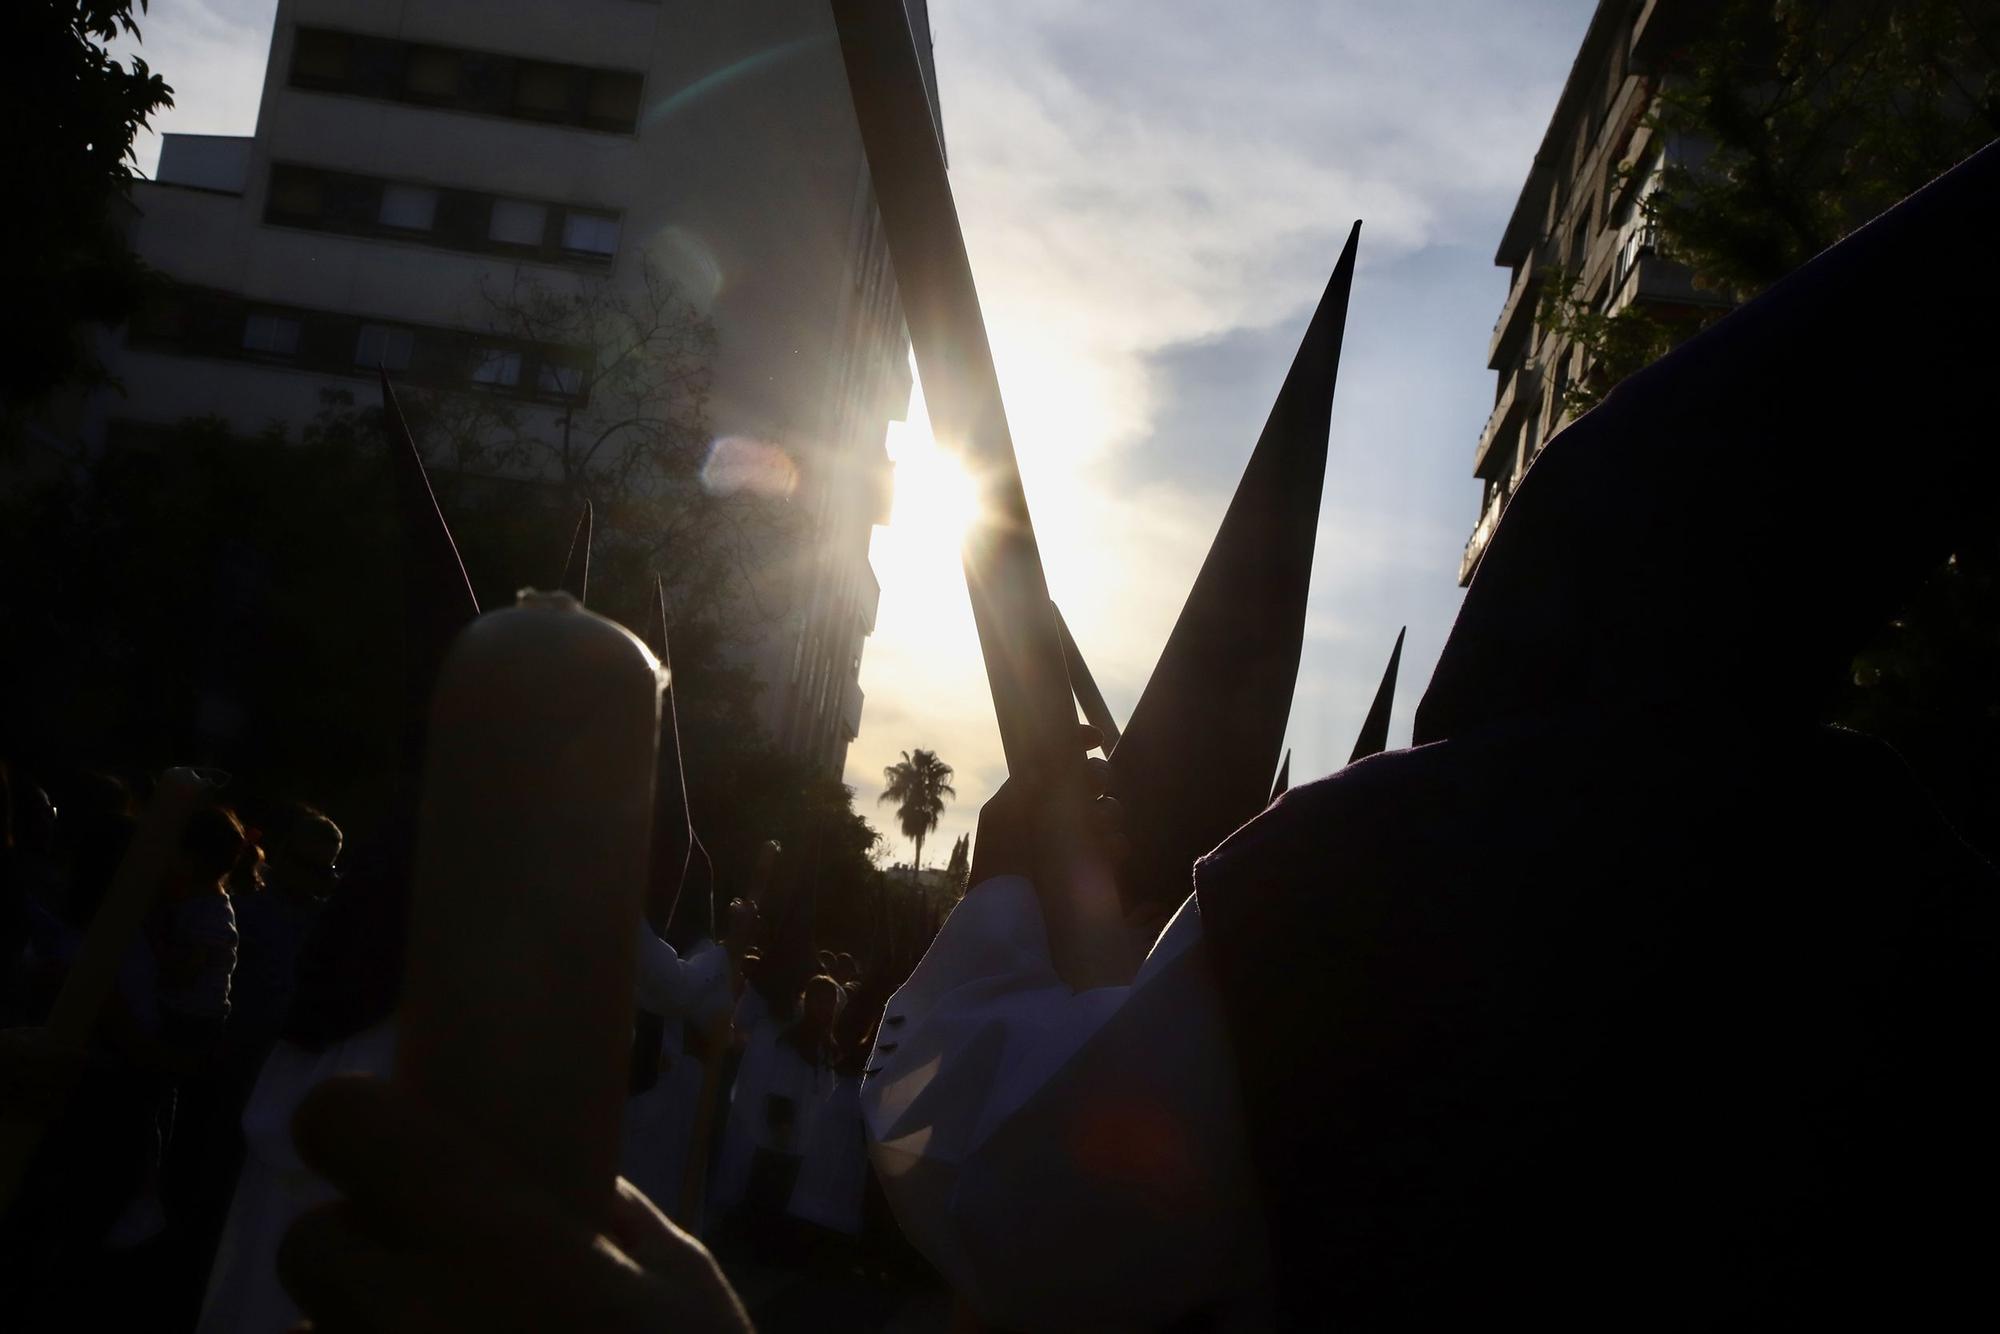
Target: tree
(76, 111)
(1801, 119)
(1806, 118)
(919, 783)
(960, 865)
(619, 417)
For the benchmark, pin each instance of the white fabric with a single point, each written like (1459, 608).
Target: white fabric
(742, 1131)
(1067, 1160)
(833, 1178)
(274, 1187)
(659, 1123)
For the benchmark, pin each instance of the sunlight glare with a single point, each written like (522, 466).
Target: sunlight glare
(936, 499)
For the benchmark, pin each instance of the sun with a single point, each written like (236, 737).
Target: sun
(936, 498)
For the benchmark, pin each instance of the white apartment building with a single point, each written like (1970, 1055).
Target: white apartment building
(407, 152)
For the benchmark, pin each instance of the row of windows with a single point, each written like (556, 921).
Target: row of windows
(335, 201)
(217, 324)
(458, 80)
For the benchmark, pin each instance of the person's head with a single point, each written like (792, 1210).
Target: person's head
(819, 1005)
(741, 923)
(211, 844)
(305, 857)
(844, 969)
(825, 958)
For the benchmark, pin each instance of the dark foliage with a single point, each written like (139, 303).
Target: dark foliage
(72, 111)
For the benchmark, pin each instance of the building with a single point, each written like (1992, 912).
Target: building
(408, 152)
(1580, 218)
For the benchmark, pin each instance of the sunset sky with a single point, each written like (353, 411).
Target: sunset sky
(1153, 193)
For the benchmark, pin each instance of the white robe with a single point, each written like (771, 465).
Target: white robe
(273, 1187)
(833, 1177)
(1067, 1160)
(660, 1123)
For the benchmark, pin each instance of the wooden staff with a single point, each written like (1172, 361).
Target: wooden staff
(94, 973)
(1003, 564)
(535, 835)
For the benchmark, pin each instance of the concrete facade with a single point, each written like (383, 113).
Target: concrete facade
(1581, 214)
(409, 151)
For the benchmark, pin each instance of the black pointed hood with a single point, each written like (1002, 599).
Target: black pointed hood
(1197, 756)
(438, 600)
(1283, 783)
(1730, 524)
(1374, 735)
(1084, 686)
(576, 567)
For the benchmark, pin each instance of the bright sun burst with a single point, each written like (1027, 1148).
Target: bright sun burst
(936, 499)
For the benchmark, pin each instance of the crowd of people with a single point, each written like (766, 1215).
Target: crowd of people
(270, 958)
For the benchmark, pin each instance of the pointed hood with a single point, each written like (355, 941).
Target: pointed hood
(1197, 756)
(1284, 780)
(1723, 532)
(1374, 737)
(1084, 686)
(673, 827)
(438, 600)
(576, 567)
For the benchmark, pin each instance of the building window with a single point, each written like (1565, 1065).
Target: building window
(566, 381)
(430, 74)
(497, 366)
(274, 335)
(410, 208)
(590, 233)
(614, 100)
(544, 92)
(334, 201)
(296, 193)
(462, 80)
(194, 321)
(384, 346)
(321, 57)
(518, 222)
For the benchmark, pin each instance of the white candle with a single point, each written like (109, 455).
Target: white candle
(531, 869)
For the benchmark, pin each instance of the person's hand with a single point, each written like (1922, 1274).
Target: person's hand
(434, 1234)
(1034, 821)
(1062, 832)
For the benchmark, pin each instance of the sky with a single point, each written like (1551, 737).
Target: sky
(1153, 193)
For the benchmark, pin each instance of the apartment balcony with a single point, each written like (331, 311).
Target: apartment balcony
(1482, 533)
(868, 597)
(1517, 396)
(1519, 310)
(851, 699)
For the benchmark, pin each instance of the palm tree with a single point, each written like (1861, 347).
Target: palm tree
(919, 783)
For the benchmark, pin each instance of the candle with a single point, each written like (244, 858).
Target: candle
(532, 853)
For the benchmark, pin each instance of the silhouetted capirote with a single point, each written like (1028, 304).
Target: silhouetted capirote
(1374, 736)
(1204, 739)
(1639, 999)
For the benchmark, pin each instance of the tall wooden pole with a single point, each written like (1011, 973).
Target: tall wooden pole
(1003, 565)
